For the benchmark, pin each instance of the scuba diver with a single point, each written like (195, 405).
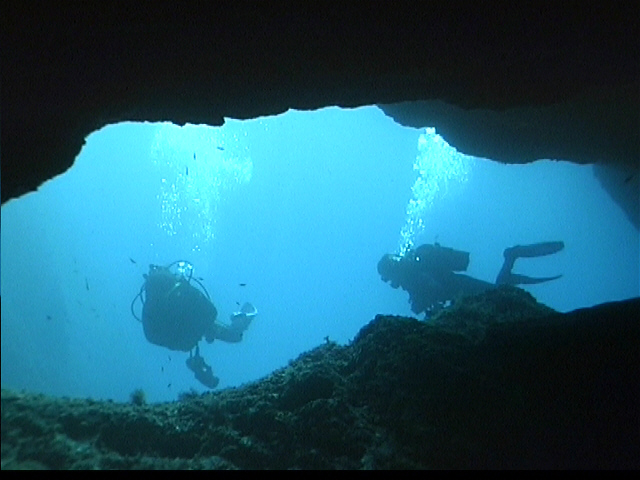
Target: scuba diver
(177, 315)
(428, 273)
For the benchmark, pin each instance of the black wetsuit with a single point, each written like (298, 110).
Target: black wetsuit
(175, 314)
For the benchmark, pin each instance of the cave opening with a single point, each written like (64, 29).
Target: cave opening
(290, 212)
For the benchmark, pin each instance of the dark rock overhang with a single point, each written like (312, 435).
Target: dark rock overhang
(512, 83)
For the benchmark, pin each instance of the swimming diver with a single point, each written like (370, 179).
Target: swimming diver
(428, 273)
(177, 315)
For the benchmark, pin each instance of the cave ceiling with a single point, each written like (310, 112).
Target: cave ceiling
(532, 81)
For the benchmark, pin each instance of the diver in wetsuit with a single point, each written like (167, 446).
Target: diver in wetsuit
(428, 273)
(177, 315)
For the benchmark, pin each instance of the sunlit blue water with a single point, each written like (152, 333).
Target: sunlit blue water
(300, 207)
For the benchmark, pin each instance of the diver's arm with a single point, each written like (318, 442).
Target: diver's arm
(232, 333)
(225, 333)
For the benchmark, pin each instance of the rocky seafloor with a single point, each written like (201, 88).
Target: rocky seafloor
(496, 381)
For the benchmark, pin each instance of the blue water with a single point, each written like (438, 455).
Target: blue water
(300, 207)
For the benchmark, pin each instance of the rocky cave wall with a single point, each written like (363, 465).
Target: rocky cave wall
(530, 81)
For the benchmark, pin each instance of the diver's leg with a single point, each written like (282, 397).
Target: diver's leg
(505, 277)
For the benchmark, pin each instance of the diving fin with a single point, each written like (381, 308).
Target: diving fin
(534, 250)
(516, 279)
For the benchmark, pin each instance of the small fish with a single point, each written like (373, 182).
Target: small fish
(86, 283)
(169, 357)
(162, 369)
(242, 284)
(220, 148)
(194, 155)
(132, 261)
(186, 171)
(169, 386)
(48, 317)
(238, 303)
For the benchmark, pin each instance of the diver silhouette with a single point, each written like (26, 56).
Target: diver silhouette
(177, 312)
(428, 273)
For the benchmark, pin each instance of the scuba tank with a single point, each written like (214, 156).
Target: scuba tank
(439, 258)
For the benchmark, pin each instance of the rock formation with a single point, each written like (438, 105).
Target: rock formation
(537, 80)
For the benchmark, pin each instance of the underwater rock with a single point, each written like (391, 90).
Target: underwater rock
(498, 381)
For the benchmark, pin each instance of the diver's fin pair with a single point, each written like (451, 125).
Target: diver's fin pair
(511, 254)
